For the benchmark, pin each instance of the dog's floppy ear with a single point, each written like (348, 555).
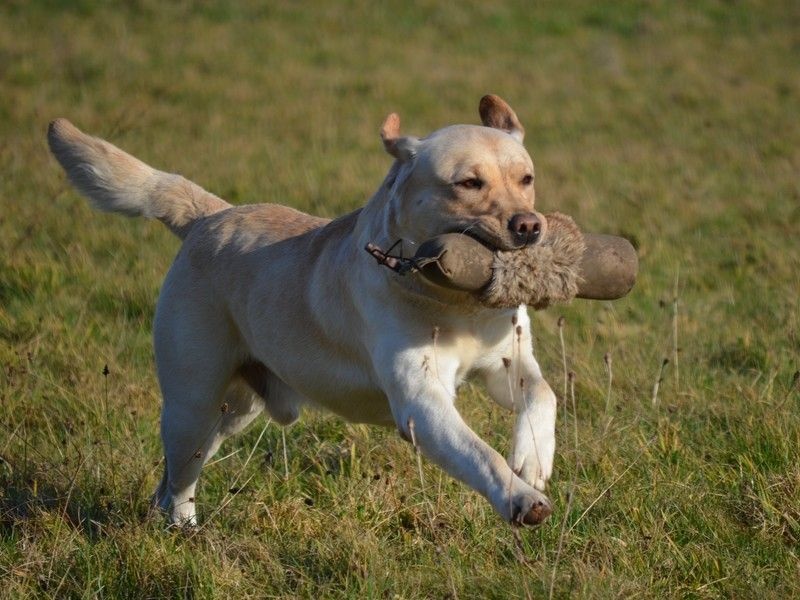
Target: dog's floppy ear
(402, 148)
(496, 113)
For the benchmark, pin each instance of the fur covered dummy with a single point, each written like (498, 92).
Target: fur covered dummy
(564, 264)
(541, 274)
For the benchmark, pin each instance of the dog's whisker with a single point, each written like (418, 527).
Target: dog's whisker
(470, 227)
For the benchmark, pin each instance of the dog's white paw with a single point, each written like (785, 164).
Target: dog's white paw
(532, 470)
(533, 462)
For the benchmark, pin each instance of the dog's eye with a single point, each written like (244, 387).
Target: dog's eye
(473, 183)
(527, 180)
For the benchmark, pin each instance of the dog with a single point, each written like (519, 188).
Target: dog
(269, 309)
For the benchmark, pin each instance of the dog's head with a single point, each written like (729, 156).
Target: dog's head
(476, 180)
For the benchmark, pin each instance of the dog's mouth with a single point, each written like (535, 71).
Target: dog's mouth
(483, 238)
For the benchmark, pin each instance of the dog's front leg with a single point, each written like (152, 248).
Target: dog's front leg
(423, 409)
(534, 434)
(515, 381)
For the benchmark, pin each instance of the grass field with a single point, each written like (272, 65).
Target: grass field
(675, 124)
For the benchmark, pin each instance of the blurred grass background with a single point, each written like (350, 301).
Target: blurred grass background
(675, 124)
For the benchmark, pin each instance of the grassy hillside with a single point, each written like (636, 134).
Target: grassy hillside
(675, 124)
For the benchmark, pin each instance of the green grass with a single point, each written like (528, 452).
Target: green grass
(675, 124)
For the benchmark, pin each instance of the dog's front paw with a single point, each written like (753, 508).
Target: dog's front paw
(530, 509)
(532, 471)
(534, 443)
(534, 466)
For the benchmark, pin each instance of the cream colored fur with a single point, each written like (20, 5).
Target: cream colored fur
(266, 308)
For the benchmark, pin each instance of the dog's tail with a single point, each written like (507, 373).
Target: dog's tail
(115, 181)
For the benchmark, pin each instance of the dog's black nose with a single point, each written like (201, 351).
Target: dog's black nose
(525, 227)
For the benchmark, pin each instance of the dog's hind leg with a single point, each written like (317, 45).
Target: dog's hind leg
(240, 408)
(197, 353)
(191, 442)
(161, 498)
(190, 425)
(248, 393)
(282, 403)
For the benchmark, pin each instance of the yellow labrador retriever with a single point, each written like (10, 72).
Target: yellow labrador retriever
(269, 308)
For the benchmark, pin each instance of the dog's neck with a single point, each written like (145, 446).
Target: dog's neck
(377, 224)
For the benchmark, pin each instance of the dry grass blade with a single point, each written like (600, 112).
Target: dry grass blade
(110, 449)
(675, 348)
(570, 494)
(285, 456)
(659, 380)
(561, 322)
(604, 492)
(610, 374)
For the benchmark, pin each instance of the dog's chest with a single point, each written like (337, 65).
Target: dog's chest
(464, 349)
